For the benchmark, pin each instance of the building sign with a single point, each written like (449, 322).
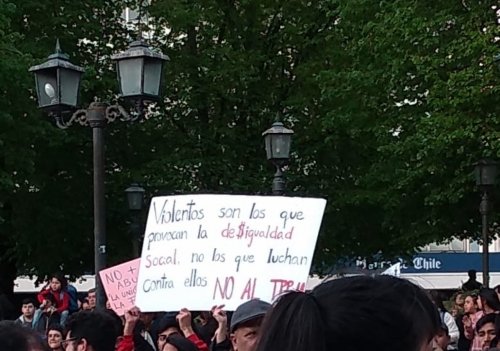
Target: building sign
(446, 262)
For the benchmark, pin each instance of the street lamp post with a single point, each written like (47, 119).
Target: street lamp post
(135, 200)
(57, 86)
(486, 173)
(278, 140)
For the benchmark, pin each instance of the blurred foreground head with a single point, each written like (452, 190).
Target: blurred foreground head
(380, 313)
(14, 337)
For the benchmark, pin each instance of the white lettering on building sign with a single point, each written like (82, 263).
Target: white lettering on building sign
(421, 263)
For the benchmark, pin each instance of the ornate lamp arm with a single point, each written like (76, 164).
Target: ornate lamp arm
(80, 116)
(112, 113)
(117, 111)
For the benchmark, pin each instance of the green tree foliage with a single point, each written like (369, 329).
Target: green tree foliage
(391, 102)
(412, 93)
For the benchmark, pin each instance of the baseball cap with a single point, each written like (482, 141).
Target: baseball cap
(247, 311)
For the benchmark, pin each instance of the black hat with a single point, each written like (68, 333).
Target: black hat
(169, 320)
(181, 343)
(247, 311)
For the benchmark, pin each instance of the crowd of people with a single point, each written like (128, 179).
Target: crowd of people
(469, 322)
(381, 313)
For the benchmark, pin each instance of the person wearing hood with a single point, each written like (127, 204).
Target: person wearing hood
(27, 314)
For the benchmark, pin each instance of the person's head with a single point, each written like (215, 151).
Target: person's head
(488, 300)
(245, 324)
(90, 331)
(91, 298)
(472, 274)
(485, 329)
(168, 326)
(442, 338)
(175, 342)
(14, 337)
(117, 321)
(470, 304)
(55, 336)
(57, 282)
(381, 313)
(460, 300)
(28, 308)
(50, 301)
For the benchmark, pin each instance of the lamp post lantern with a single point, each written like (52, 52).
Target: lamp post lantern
(135, 200)
(57, 85)
(139, 72)
(278, 140)
(486, 174)
(135, 197)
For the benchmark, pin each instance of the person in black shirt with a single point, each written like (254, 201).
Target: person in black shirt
(472, 283)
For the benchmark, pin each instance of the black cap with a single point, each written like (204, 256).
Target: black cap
(169, 320)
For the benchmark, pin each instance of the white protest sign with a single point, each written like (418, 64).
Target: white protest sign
(205, 250)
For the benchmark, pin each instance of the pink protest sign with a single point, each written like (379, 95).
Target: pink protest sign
(120, 284)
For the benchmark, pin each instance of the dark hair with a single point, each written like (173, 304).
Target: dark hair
(471, 273)
(472, 295)
(487, 318)
(118, 324)
(57, 327)
(28, 301)
(437, 298)
(61, 278)
(497, 288)
(140, 344)
(98, 328)
(490, 298)
(181, 343)
(14, 337)
(51, 298)
(93, 290)
(169, 320)
(350, 313)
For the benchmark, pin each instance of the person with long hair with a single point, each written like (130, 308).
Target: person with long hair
(55, 336)
(381, 313)
(56, 287)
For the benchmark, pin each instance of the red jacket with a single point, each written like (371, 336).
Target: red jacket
(62, 299)
(200, 344)
(126, 343)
